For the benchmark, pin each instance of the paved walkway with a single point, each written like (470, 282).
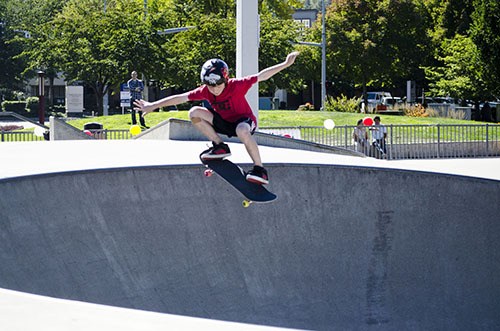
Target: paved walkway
(25, 158)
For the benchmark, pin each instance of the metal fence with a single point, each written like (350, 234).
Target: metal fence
(12, 136)
(410, 141)
(111, 134)
(403, 141)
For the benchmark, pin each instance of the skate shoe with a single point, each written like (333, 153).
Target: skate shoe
(217, 152)
(258, 175)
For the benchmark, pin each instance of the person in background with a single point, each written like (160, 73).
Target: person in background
(136, 86)
(360, 137)
(486, 112)
(379, 136)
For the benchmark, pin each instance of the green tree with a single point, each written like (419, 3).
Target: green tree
(215, 36)
(32, 15)
(93, 46)
(11, 78)
(466, 48)
(375, 43)
(448, 18)
(485, 32)
(460, 75)
(100, 47)
(20, 21)
(276, 35)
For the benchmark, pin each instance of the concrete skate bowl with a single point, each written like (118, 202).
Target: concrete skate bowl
(344, 248)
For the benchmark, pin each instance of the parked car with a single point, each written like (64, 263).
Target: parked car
(374, 101)
(449, 100)
(426, 100)
(393, 103)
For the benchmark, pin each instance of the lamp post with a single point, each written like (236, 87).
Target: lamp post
(41, 97)
(323, 54)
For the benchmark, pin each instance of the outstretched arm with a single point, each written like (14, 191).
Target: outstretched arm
(267, 73)
(147, 107)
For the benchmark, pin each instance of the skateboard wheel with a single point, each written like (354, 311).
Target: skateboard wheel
(246, 203)
(208, 172)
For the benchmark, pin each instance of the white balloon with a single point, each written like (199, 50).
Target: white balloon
(329, 124)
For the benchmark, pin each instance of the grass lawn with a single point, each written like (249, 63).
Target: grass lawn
(271, 118)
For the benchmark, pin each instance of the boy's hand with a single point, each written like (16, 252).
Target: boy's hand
(290, 59)
(144, 106)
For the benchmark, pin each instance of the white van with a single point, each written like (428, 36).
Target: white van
(374, 101)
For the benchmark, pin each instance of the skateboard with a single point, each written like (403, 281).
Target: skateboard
(379, 148)
(235, 176)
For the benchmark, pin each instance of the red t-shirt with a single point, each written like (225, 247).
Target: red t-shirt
(231, 104)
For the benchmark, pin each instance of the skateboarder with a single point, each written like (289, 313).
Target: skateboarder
(230, 115)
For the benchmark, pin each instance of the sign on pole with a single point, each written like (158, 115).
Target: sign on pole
(124, 96)
(74, 99)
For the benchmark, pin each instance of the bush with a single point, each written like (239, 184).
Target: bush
(342, 104)
(32, 105)
(416, 111)
(307, 106)
(18, 107)
(27, 108)
(56, 111)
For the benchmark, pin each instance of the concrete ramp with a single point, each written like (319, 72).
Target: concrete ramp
(344, 248)
(182, 130)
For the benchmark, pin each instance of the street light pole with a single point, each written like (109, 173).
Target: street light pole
(323, 56)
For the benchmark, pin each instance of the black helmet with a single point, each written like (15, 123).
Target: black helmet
(214, 72)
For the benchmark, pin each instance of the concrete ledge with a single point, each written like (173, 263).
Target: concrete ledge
(60, 130)
(175, 129)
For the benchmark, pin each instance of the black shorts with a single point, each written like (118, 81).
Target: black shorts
(229, 128)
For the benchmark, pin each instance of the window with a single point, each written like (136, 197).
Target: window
(306, 22)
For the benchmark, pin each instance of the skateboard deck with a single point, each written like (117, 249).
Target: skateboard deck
(235, 176)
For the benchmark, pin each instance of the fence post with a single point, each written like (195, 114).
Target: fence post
(390, 142)
(439, 141)
(487, 141)
(346, 136)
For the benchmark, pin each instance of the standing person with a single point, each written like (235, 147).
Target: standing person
(360, 137)
(379, 136)
(231, 114)
(136, 86)
(486, 112)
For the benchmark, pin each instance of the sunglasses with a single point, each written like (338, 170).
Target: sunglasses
(215, 84)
